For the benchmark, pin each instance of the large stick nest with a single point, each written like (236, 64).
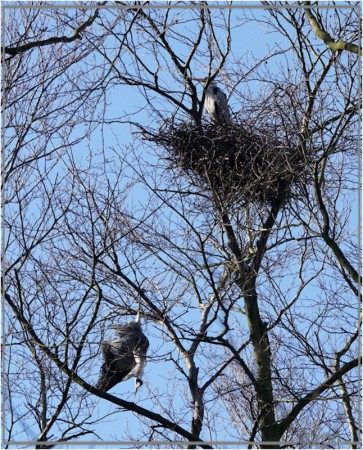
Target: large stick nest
(234, 160)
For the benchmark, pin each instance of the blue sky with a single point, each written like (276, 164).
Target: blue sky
(249, 40)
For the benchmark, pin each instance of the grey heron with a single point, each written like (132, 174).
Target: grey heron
(215, 102)
(124, 356)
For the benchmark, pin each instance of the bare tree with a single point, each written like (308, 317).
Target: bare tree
(237, 241)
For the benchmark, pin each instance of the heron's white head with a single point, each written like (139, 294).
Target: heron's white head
(205, 81)
(138, 384)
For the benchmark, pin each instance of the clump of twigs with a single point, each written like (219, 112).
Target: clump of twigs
(234, 160)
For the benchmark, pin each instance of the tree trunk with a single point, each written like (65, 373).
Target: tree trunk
(198, 403)
(261, 347)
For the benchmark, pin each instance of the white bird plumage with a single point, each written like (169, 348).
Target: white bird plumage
(124, 356)
(215, 102)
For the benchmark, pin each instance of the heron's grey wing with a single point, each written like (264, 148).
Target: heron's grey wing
(118, 362)
(142, 342)
(107, 351)
(222, 108)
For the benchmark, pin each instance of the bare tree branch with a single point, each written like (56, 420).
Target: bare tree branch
(326, 37)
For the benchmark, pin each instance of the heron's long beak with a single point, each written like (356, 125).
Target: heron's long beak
(202, 80)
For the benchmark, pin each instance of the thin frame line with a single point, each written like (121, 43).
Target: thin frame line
(170, 442)
(234, 5)
(360, 221)
(3, 323)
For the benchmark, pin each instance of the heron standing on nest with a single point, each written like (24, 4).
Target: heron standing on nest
(124, 356)
(215, 102)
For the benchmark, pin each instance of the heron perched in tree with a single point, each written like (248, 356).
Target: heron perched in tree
(215, 102)
(124, 356)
